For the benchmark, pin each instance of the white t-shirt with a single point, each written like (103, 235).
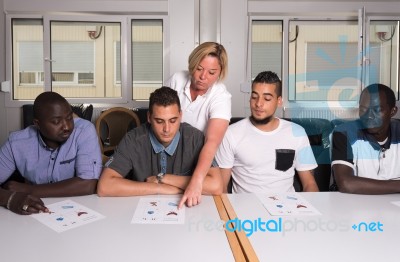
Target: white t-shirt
(264, 162)
(216, 103)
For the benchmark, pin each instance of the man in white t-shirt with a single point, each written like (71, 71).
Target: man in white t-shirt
(262, 152)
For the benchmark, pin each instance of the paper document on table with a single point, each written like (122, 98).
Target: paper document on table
(66, 215)
(287, 204)
(157, 210)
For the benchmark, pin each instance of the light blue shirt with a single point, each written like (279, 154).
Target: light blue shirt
(160, 149)
(26, 152)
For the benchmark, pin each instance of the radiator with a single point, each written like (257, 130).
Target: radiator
(325, 113)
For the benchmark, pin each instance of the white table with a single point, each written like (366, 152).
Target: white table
(330, 236)
(114, 238)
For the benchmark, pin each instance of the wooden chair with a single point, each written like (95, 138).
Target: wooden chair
(112, 125)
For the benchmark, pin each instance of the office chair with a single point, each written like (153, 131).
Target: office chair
(112, 125)
(81, 110)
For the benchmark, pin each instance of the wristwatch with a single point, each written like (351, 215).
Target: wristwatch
(160, 176)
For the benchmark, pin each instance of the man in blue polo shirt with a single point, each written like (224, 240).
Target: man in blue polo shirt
(158, 157)
(58, 156)
(365, 152)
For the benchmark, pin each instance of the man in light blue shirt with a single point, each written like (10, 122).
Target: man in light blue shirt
(57, 156)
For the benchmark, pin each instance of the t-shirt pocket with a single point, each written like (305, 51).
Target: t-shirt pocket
(284, 159)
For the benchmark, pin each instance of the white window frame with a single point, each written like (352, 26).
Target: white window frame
(165, 46)
(285, 61)
(367, 55)
(126, 65)
(47, 19)
(9, 101)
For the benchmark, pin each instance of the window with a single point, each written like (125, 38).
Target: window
(323, 61)
(327, 60)
(147, 57)
(74, 59)
(80, 57)
(27, 42)
(71, 59)
(383, 50)
(266, 47)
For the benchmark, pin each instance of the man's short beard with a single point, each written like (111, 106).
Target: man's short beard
(263, 121)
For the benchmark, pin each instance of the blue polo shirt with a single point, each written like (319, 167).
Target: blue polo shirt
(26, 152)
(160, 149)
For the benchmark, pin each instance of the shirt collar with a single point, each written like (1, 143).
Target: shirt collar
(389, 139)
(42, 143)
(372, 141)
(187, 89)
(158, 147)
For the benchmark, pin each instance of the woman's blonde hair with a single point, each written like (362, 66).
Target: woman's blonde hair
(209, 49)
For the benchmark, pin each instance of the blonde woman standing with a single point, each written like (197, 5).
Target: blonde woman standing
(206, 105)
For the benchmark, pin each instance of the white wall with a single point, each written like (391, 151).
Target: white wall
(182, 34)
(234, 38)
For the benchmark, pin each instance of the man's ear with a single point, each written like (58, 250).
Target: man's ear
(36, 123)
(148, 116)
(280, 102)
(393, 112)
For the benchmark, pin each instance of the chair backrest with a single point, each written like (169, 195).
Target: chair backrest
(27, 115)
(318, 131)
(112, 125)
(81, 110)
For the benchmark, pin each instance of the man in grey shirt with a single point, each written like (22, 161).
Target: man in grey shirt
(158, 157)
